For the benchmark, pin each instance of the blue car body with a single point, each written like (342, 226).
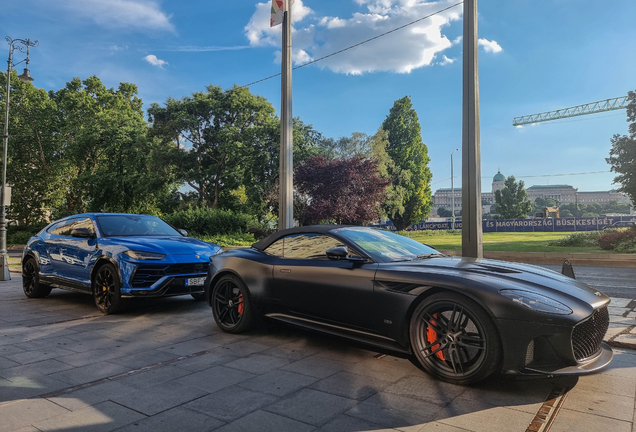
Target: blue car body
(71, 261)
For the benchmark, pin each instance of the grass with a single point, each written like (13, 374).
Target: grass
(506, 242)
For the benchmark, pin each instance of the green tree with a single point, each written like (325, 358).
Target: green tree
(511, 200)
(211, 136)
(623, 153)
(410, 171)
(35, 165)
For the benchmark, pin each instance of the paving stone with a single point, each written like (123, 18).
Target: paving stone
(47, 342)
(195, 346)
(93, 395)
(614, 331)
(351, 386)
(572, 421)
(601, 404)
(315, 366)
(205, 361)
(388, 368)
(426, 388)
(91, 357)
(153, 400)
(143, 359)
(5, 363)
(629, 339)
(605, 383)
(231, 403)
(479, 416)
(244, 348)
(345, 423)
(262, 421)
(527, 396)
(15, 388)
(257, 363)
(10, 349)
(99, 343)
(44, 367)
(394, 411)
(103, 417)
(440, 427)
(346, 353)
(278, 382)
(153, 377)
(619, 302)
(176, 419)
(618, 311)
(39, 355)
(89, 373)
(311, 406)
(215, 378)
(22, 413)
(293, 351)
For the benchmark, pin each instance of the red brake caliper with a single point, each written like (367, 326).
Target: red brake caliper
(431, 336)
(240, 306)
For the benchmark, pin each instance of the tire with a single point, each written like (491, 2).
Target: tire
(31, 280)
(107, 289)
(231, 305)
(198, 296)
(454, 339)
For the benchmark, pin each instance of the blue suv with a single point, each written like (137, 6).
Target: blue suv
(114, 256)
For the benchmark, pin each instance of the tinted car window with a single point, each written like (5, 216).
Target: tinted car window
(62, 228)
(134, 225)
(309, 246)
(65, 228)
(276, 248)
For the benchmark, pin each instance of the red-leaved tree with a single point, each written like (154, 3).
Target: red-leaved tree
(347, 191)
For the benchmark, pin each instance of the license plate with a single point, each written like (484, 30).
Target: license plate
(195, 281)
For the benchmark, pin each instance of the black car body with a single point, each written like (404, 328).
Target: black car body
(527, 319)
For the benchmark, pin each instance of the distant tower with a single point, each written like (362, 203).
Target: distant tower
(498, 181)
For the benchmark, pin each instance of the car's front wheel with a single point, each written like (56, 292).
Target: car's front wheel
(454, 339)
(31, 280)
(231, 305)
(107, 289)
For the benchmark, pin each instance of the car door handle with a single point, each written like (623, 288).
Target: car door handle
(285, 270)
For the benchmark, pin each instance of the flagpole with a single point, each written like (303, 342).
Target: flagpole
(285, 208)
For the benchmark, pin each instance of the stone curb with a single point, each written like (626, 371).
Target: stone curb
(622, 329)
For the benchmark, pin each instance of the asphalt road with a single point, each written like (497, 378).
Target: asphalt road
(613, 281)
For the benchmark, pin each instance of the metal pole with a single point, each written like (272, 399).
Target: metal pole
(5, 275)
(472, 236)
(285, 207)
(453, 192)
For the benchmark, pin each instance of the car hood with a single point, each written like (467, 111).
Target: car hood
(167, 245)
(508, 275)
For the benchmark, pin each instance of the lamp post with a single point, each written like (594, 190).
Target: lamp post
(21, 45)
(453, 191)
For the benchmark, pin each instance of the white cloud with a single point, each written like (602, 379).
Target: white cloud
(407, 49)
(153, 60)
(447, 61)
(135, 14)
(490, 46)
(118, 48)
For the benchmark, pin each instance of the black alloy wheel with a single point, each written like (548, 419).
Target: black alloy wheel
(106, 289)
(31, 280)
(454, 339)
(231, 305)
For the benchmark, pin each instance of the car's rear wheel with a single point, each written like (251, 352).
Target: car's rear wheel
(454, 339)
(107, 289)
(231, 305)
(31, 280)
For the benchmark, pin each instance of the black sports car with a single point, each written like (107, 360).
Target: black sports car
(463, 319)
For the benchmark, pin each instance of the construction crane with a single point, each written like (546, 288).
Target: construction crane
(579, 110)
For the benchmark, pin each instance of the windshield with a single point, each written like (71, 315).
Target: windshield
(134, 225)
(385, 246)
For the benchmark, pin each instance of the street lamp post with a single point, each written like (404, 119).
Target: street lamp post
(453, 191)
(21, 45)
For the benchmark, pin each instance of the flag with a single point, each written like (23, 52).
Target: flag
(277, 12)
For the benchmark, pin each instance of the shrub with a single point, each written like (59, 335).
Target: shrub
(579, 239)
(229, 239)
(209, 222)
(20, 234)
(612, 240)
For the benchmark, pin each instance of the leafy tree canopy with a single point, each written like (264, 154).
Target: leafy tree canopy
(622, 157)
(511, 200)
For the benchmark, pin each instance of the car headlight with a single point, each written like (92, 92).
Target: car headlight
(143, 255)
(536, 302)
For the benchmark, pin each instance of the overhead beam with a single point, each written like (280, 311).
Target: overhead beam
(579, 110)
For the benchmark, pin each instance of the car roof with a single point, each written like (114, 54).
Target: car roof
(321, 229)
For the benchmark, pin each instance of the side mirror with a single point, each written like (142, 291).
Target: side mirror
(82, 233)
(341, 253)
(183, 232)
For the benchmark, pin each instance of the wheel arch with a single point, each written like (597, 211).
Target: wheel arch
(100, 262)
(218, 276)
(440, 289)
(34, 255)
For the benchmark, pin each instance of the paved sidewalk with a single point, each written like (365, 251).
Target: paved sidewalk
(163, 365)
(622, 331)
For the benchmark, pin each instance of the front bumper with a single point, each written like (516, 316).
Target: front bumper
(594, 365)
(169, 286)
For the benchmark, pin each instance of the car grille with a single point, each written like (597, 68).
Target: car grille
(146, 275)
(588, 335)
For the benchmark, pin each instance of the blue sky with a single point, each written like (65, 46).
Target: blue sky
(536, 56)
